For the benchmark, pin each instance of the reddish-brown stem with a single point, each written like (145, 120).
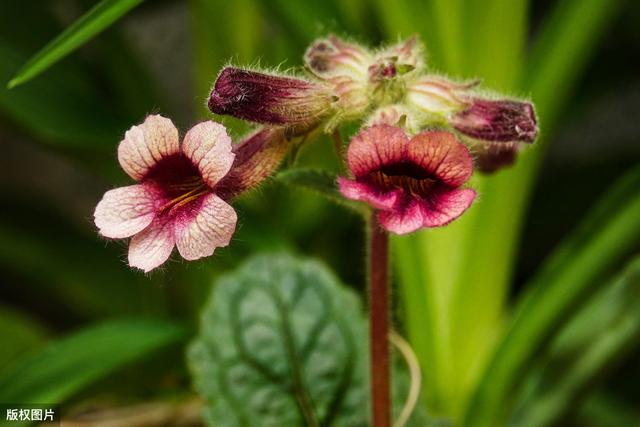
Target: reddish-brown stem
(379, 325)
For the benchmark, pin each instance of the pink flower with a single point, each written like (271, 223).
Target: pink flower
(174, 202)
(414, 183)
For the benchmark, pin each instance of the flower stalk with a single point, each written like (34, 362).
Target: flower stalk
(379, 326)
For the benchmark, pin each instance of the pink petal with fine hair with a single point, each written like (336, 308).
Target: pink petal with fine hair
(446, 207)
(420, 213)
(374, 147)
(152, 247)
(125, 211)
(210, 226)
(144, 145)
(403, 221)
(442, 155)
(367, 193)
(208, 146)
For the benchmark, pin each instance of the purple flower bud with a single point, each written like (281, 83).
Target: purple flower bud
(332, 57)
(257, 157)
(499, 121)
(493, 156)
(269, 99)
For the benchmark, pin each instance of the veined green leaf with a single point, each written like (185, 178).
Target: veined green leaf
(283, 343)
(600, 335)
(573, 272)
(279, 344)
(67, 366)
(100, 17)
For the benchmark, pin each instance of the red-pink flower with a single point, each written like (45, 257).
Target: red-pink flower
(174, 202)
(414, 183)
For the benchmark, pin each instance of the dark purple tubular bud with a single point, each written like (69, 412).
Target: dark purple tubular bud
(257, 157)
(269, 99)
(499, 121)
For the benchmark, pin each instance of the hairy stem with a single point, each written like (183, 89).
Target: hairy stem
(338, 145)
(379, 324)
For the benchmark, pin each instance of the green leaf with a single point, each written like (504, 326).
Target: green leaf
(305, 20)
(320, 182)
(71, 364)
(574, 271)
(467, 266)
(279, 345)
(574, 26)
(283, 343)
(317, 180)
(605, 410)
(61, 108)
(495, 37)
(100, 17)
(20, 333)
(35, 234)
(590, 345)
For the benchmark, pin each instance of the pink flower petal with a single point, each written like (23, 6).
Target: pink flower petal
(144, 145)
(199, 232)
(125, 211)
(374, 147)
(151, 247)
(442, 155)
(420, 213)
(367, 193)
(209, 148)
(446, 207)
(403, 221)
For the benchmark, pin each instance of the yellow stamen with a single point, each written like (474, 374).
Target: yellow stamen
(187, 197)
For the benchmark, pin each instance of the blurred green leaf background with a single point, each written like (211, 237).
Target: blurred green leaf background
(524, 312)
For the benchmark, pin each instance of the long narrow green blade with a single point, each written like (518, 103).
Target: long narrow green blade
(72, 363)
(92, 23)
(574, 271)
(593, 342)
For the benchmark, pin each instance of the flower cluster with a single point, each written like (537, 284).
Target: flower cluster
(422, 137)
(348, 82)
